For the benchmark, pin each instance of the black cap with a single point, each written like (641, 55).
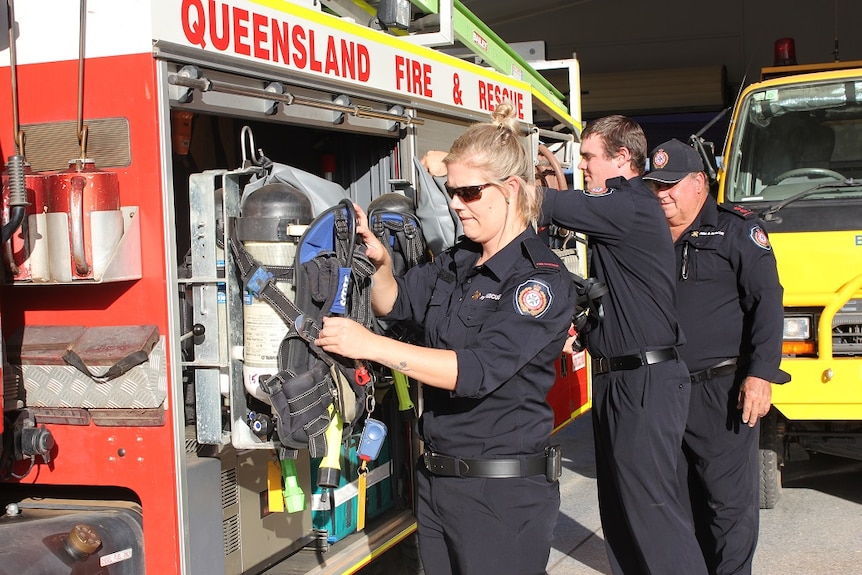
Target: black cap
(672, 161)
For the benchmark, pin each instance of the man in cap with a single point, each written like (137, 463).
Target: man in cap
(640, 386)
(730, 308)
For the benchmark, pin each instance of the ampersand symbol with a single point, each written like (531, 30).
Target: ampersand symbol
(457, 96)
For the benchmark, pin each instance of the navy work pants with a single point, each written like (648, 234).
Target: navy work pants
(638, 421)
(479, 526)
(722, 464)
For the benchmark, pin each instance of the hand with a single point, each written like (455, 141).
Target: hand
(344, 337)
(374, 249)
(569, 345)
(755, 398)
(433, 162)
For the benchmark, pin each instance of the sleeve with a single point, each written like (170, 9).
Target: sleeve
(607, 216)
(761, 299)
(415, 289)
(533, 318)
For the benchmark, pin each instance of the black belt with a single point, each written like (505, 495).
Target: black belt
(626, 362)
(722, 368)
(547, 464)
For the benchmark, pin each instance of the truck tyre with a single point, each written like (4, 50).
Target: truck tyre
(771, 451)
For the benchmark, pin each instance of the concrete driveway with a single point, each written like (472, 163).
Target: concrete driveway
(816, 528)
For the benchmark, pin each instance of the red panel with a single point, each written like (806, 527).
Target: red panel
(138, 458)
(570, 393)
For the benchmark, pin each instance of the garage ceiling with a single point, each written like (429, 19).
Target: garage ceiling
(654, 44)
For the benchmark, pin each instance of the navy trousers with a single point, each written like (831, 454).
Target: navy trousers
(638, 421)
(721, 467)
(479, 526)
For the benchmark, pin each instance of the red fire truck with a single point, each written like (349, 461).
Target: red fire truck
(134, 440)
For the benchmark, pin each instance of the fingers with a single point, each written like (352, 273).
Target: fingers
(433, 162)
(755, 399)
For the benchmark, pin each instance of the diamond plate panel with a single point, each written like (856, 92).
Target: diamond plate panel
(144, 386)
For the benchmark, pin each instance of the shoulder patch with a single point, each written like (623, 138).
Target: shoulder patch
(533, 297)
(740, 211)
(598, 192)
(759, 237)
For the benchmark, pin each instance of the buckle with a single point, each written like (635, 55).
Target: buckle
(258, 280)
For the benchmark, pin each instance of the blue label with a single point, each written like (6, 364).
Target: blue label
(339, 305)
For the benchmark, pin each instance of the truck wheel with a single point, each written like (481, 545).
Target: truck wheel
(771, 450)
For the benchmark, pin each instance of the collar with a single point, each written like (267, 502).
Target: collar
(502, 263)
(706, 218)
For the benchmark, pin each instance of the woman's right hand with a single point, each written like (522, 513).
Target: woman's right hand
(433, 162)
(374, 249)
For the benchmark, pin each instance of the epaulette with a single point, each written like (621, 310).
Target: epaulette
(741, 211)
(539, 254)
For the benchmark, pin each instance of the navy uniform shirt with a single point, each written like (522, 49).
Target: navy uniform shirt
(728, 292)
(507, 321)
(632, 252)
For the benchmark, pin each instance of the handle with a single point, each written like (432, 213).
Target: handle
(76, 215)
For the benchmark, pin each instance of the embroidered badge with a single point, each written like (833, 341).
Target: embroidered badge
(597, 192)
(759, 237)
(533, 297)
(659, 159)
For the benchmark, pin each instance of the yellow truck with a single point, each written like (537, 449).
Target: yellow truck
(794, 155)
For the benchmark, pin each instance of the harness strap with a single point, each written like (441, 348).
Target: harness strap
(260, 281)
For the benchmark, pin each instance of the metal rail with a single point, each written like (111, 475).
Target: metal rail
(207, 85)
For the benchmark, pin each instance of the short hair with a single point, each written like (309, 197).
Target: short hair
(620, 132)
(495, 148)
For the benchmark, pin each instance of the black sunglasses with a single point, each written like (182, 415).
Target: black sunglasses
(467, 193)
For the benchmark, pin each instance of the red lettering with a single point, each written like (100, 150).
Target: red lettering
(300, 57)
(400, 70)
(258, 32)
(194, 22)
(280, 42)
(492, 94)
(483, 95)
(316, 64)
(220, 42)
(416, 76)
(240, 31)
(331, 57)
(348, 59)
(248, 33)
(363, 68)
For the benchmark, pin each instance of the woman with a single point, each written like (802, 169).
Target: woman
(495, 310)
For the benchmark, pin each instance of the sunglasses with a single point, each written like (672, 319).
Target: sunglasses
(467, 193)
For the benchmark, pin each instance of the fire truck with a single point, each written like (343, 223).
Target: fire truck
(793, 155)
(134, 438)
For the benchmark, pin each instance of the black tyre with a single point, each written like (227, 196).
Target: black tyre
(771, 460)
(770, 479)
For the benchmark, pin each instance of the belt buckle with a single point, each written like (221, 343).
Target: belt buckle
(601, 365)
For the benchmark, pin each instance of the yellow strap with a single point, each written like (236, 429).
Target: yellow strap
(360, 497)
(275, 491)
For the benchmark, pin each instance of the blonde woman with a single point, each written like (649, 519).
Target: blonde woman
(495, 310)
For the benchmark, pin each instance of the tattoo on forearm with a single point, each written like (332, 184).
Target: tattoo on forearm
(401, 366)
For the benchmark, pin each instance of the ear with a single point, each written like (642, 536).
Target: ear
(624, 155)
(512, 186)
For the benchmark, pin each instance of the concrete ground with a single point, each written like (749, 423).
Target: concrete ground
(816, 528)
